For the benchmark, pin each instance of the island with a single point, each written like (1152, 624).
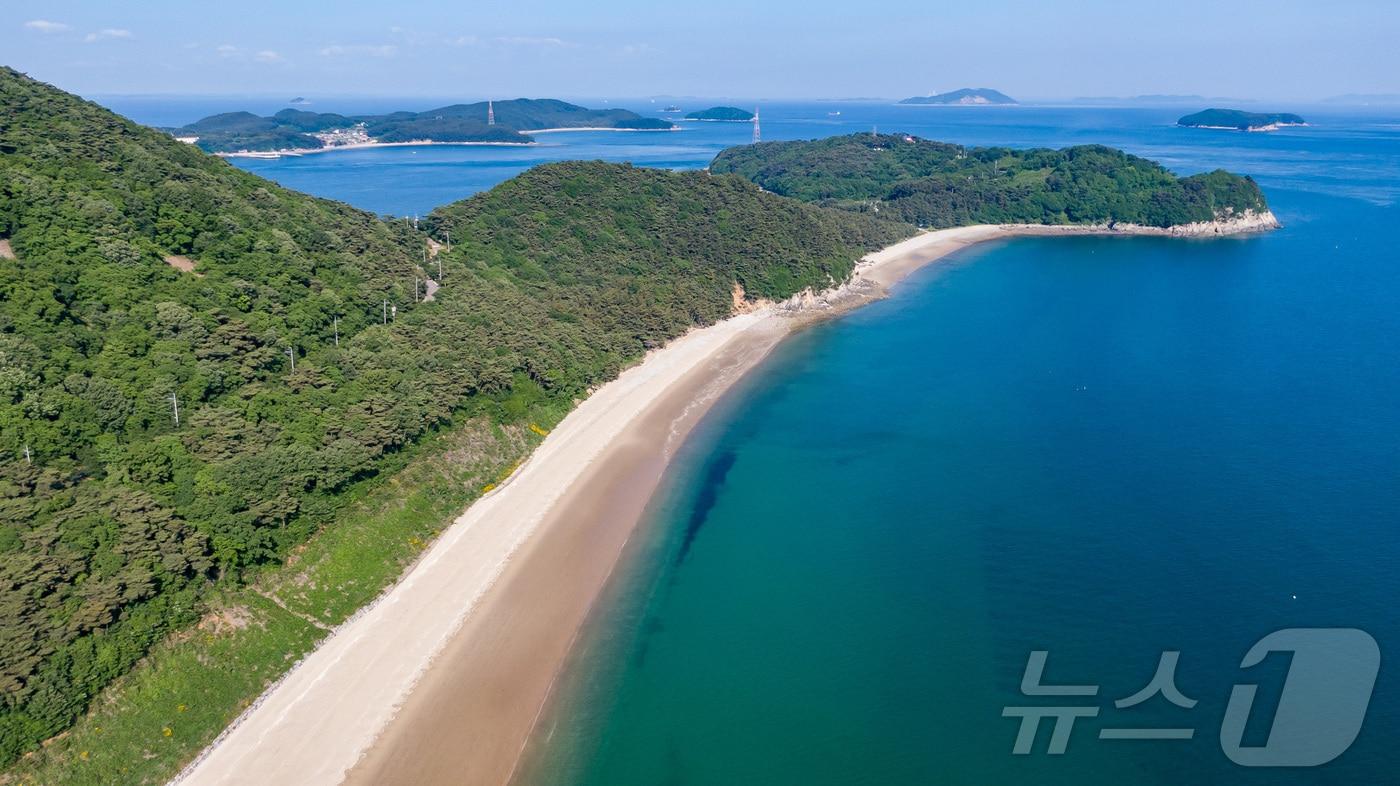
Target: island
(967, 96)
(1237, 120)
(724, 114)
(294, 131)
(937, 184)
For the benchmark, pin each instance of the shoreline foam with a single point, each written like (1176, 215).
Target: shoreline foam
(468, 644)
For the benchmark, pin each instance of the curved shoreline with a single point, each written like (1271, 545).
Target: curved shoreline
(468, 644)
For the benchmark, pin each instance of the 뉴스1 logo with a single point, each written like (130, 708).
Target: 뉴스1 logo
(1321, 708)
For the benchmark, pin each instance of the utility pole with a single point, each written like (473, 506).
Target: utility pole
(28, 459)
(386, 312)
(175, 408)
(292, 353)
(415, 289)
(439, 261)
(335, 325)
(756, 136)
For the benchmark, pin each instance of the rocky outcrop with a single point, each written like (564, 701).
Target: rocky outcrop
(1245, 223)
(1248, 222)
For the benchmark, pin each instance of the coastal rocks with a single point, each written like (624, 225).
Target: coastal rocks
(854, 292)
(1226, 223)
(1247, 222)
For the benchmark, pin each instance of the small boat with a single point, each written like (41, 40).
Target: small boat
(837, 113)
(672, 108)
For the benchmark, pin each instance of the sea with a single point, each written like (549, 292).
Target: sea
(1131, 486)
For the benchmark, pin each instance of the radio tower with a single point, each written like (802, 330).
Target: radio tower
(490, 113)
(756, 135)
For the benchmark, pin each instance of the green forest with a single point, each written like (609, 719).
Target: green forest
(198, 368)
(935, 184)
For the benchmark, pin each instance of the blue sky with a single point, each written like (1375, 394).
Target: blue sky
(1281, 49)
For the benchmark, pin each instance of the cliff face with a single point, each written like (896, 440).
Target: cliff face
(1247, 222)
(1244, 223)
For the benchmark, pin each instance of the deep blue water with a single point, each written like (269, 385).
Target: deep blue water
(1100, 447)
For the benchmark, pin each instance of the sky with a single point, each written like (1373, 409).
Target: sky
(1295, 50)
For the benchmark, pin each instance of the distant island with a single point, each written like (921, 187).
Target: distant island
(1364, 99)
(730, 114)
(968, 96)
(484, 122)
(1155, 99)
(1236, 120)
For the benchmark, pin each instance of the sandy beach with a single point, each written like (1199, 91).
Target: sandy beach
(592, 128)
(443, 678)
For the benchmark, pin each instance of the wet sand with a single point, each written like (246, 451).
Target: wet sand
(468, 719)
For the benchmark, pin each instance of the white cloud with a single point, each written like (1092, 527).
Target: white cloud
(110, 32)
(462, 40)
(367, 50)
(45, 26)
(226, 50)
(527, 40)
(267, 56)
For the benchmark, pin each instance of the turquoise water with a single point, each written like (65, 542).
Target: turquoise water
(1103, 448)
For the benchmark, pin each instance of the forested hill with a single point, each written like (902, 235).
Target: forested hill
(147, 275)
(649, 252)
(293, 129)
(732, 114)
(935, 184)
(1243, 121)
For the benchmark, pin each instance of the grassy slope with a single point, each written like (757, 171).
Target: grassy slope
(198, 681)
